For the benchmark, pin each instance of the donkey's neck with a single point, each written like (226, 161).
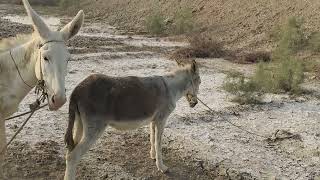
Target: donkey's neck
(178, 83)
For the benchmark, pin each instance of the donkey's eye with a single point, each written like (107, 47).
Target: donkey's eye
(46, 58)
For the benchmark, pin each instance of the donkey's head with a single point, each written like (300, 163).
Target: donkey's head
(194, 82)
(51, 63)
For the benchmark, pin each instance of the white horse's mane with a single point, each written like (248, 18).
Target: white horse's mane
(11, 42)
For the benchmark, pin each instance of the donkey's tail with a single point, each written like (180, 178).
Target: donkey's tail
(68, 138)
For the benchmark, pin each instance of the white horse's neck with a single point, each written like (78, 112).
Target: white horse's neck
(12, 88)
(25, 56)
(178, 83)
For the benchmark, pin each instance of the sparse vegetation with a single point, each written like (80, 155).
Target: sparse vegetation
(67, 3)
(283, 74)
(291, 38)
(314, 41)
(183, 21)
(155, 23)
(244, 89)
(282, 77)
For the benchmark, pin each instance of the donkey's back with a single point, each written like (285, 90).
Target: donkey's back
(120, 98)
(120, 102)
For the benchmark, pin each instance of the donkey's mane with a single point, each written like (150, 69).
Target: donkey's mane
(11, 42)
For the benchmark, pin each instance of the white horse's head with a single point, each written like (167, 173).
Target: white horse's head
(51, 63)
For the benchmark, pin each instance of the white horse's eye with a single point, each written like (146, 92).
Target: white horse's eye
(46, 58)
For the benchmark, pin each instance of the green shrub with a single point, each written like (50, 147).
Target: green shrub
(155, 23)
(68, 3)
(280, 77)
(283, 74)
(314, 41)
(291, 38)
(245, 90)
(183, 21)
(289, 75)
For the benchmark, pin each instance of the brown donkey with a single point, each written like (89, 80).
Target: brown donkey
(125, 103)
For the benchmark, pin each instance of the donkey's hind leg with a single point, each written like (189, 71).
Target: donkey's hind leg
(91, 132)
(77, 129)
(152, 151)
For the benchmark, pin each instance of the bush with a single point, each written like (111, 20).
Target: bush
(291, 39)
(200, 47)
(183, 21)
(280, 77)
(285, 76)
(314, 41)
(254, 57)
(245, 90)
(284, 73)
(155, 23)
(68, 3)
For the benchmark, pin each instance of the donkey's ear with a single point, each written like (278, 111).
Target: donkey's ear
(194, 66)
(38, 24)
(73, 27)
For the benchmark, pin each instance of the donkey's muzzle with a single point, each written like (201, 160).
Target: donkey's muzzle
(193, 104)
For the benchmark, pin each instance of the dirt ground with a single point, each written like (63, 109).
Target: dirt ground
(197, 144)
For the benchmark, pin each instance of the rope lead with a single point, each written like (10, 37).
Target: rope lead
(233, 124)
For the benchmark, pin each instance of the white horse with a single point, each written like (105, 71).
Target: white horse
(125, 103)
(42, 57)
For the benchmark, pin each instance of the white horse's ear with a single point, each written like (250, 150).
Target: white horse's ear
(38, 24)
(73, 27)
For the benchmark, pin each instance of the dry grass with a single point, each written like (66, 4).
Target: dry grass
(200, 47)
(254, 57)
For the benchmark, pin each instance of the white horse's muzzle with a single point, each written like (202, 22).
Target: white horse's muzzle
(56, 101)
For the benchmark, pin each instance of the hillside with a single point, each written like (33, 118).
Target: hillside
(240, 24)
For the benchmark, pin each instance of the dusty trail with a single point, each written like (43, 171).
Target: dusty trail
(196, 146)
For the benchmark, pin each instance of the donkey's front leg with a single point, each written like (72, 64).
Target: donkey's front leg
(160, 122)
(2, 146)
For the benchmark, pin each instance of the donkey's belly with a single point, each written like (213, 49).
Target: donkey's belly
(129, 124)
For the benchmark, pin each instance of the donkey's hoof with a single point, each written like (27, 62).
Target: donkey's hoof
(153, 155)
(163, 168)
